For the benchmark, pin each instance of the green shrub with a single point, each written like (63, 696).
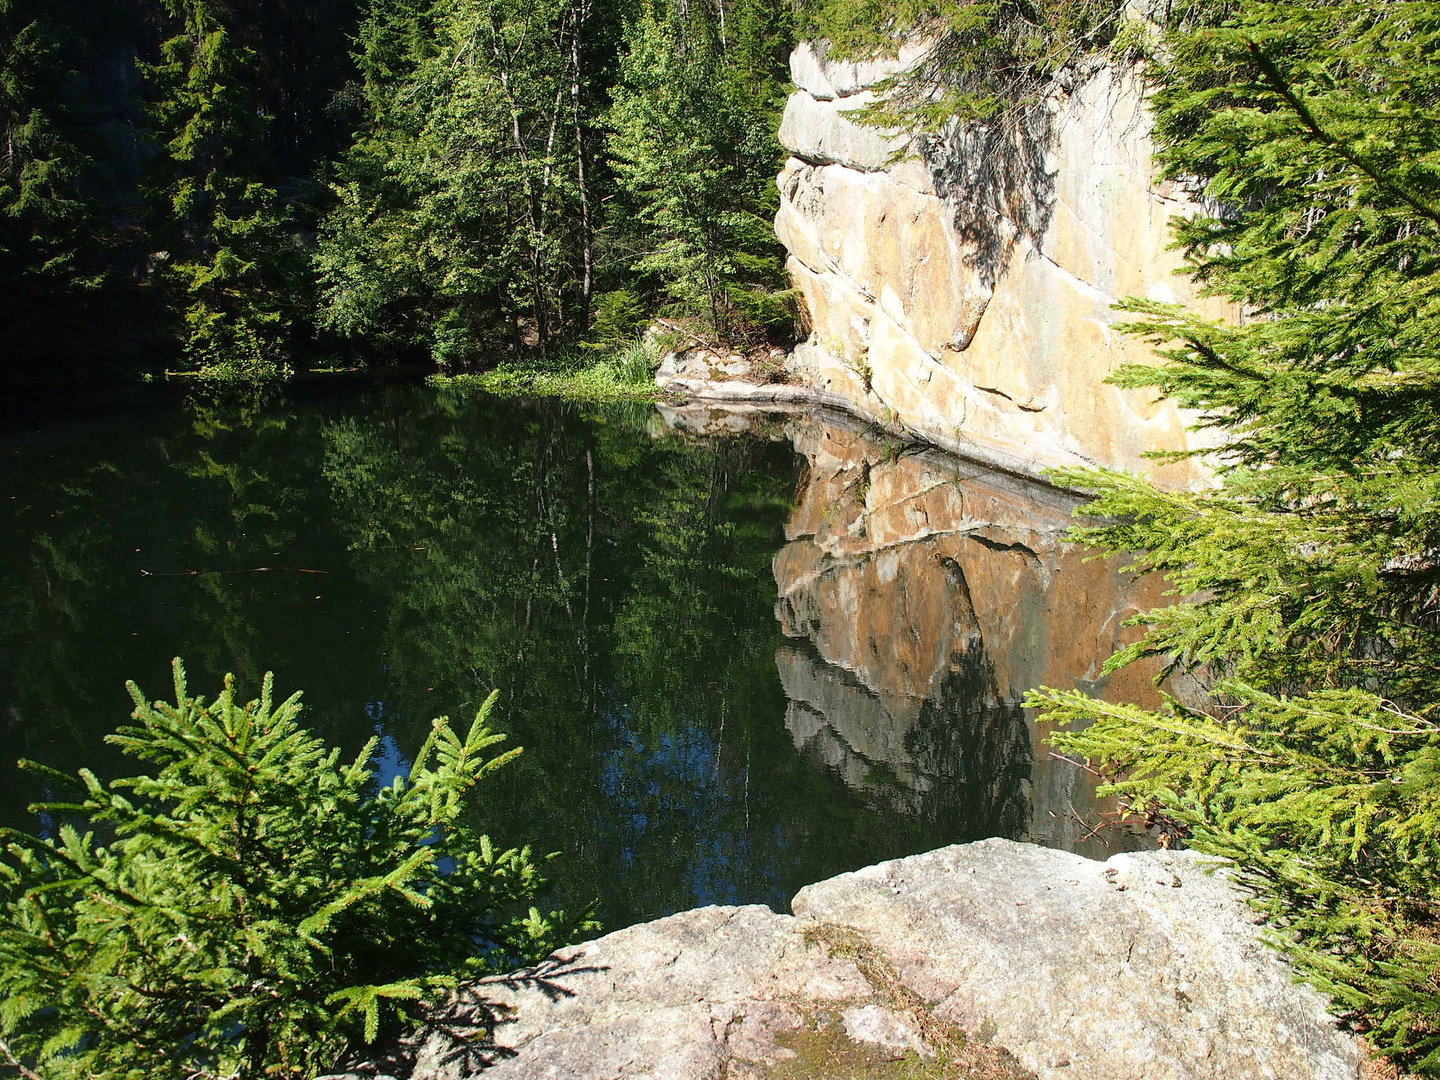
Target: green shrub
(243, 368)
(625, 373)
(619, 315)
(254, 907)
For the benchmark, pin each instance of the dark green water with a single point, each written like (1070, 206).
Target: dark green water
(398, 552)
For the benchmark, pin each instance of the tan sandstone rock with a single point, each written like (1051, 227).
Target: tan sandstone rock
(966, 291)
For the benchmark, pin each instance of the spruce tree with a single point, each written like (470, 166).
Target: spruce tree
(692, 143)
(1308, 579)
(225, 228)
(252, 905)
(45, 217)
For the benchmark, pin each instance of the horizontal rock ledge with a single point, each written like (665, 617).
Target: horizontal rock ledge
(1019, 960)
(690, 380)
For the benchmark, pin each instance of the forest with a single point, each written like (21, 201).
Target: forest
(240, 187)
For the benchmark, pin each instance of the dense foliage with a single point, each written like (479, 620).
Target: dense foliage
(455, 225)
(253, 906)
(41, 205)
(692, 137)
(1310, 576)
(54, 231)
(223, 226)
(988, 60)
(237, 186)
(495, 199)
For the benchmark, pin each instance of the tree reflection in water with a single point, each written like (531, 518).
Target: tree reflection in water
(397, 553)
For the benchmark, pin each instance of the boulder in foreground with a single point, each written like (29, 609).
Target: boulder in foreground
(1006, 959)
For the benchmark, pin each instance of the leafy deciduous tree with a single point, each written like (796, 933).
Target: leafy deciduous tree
(462, 222)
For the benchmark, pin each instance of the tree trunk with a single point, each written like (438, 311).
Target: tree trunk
(587, 254)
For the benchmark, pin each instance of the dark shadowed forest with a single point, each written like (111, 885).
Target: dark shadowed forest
(240, 186)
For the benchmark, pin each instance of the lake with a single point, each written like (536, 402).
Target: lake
(743, 650)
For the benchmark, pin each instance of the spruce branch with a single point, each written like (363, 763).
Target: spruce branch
(198, 940)
(16, 1064)
(1382, 178)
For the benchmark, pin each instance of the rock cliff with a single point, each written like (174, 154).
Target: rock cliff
(961, 285)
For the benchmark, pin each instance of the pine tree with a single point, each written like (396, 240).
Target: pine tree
(252, 906)
(1309, 578)
(226, 228)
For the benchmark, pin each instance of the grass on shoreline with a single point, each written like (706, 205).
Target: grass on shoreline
(626, 375)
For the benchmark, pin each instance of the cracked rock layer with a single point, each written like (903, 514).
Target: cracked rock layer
(963, 283)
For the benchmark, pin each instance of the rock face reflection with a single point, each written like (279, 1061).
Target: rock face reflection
(961, 764)
(921, 596)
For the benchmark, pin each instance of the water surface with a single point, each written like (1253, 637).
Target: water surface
(743, 651)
